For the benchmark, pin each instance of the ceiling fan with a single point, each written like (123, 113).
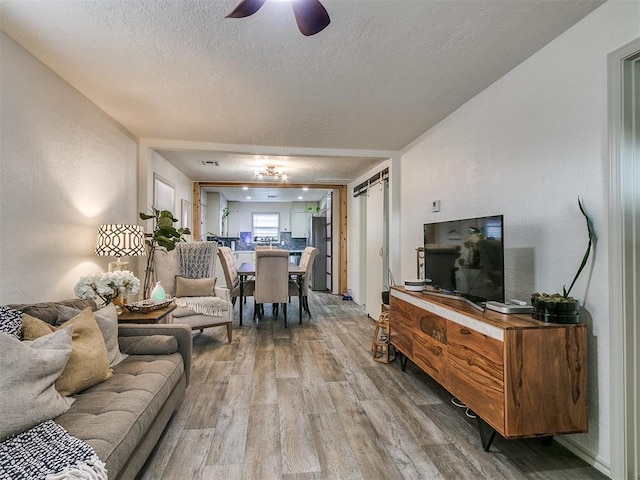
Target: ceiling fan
(311, 16)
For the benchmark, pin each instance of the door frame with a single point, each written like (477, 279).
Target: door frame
(341, 217)
(624, 258)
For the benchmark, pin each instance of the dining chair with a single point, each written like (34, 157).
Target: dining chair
(271, 281)
(187, 273)
(306, 261)
(228, 264)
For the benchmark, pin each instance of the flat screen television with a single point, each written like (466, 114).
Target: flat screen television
(466, 257)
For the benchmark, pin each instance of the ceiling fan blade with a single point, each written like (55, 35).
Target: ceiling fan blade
(311, 16)
(246, 8)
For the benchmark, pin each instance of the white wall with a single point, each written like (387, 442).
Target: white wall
(527, 147)
(65, 168)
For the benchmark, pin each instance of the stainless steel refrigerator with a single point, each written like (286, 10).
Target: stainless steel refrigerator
(318, 238)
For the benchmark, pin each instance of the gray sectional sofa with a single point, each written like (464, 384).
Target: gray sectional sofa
(123, 417)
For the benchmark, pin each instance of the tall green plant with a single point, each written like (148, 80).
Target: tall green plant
(591, 232)
(164, 235)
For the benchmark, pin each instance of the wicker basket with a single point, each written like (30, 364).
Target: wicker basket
(146, 306)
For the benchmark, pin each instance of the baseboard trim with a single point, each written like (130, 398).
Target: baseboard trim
(593, 459)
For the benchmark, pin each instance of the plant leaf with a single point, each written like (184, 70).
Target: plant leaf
(591, 233)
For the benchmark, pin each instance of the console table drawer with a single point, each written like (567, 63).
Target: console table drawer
(476, 372)
(431, 356)
(474, 351)
(401, 329)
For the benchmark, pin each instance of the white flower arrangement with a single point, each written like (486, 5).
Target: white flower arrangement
(107, 286)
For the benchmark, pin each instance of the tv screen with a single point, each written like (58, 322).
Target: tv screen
(466, 257)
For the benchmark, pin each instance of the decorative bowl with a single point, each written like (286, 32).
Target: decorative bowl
(146, 306)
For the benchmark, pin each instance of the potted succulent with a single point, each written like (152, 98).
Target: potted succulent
(164, 235)
(562, 308)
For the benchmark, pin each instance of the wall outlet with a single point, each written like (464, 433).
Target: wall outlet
(435, 206)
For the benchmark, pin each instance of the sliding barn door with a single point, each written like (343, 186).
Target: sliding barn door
(374, 265)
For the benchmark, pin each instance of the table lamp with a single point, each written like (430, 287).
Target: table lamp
(118, 240)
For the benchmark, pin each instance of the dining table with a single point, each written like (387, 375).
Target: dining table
(247, 270)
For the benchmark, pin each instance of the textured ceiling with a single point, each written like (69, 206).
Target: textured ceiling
(232, 167)
(380, 75)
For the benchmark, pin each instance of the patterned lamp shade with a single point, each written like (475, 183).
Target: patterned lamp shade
(116, 240)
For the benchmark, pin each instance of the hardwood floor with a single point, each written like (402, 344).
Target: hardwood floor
(308, 402)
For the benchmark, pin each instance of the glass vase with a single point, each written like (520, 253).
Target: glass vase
(119, 302)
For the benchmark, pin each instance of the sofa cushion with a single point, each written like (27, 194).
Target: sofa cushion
(194, 287)
(150, 345)
(107, 320)
(48, 311)
(115, 415)
(11, 322)
(29, 371)
(88, 364)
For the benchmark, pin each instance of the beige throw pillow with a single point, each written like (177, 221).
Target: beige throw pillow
(194, 287)
(107, 320)
(88, 364)
(29, 371)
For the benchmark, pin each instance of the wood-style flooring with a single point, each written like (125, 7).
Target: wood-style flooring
(308, 402)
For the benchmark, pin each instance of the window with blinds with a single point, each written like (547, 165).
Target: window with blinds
(266, 226)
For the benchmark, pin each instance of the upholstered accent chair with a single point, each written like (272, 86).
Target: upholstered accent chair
(193, 293)
(307, 258)
(228, 264)
(272, 280)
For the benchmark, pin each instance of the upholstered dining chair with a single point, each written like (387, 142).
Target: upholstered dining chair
(187, 273)
(228, 264)
(272, 280)
(306, 261)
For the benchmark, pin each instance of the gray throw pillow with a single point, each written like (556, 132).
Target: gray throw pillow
(11, 322)
(27, 385)
(107, 320)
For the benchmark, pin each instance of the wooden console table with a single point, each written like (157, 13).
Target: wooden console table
(523, 377)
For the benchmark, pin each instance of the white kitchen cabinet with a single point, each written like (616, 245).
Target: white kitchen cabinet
(299, 225)
(299, 207)
(301, 215)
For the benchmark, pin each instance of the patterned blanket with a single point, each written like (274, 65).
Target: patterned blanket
(211, 306)
(47, 451)
(197, 259)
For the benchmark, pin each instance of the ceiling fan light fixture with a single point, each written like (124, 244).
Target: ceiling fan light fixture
(246, 8)
(311, 16)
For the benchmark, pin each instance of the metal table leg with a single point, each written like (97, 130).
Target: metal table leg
(300, 298)
(486, 442)
(242, 277)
